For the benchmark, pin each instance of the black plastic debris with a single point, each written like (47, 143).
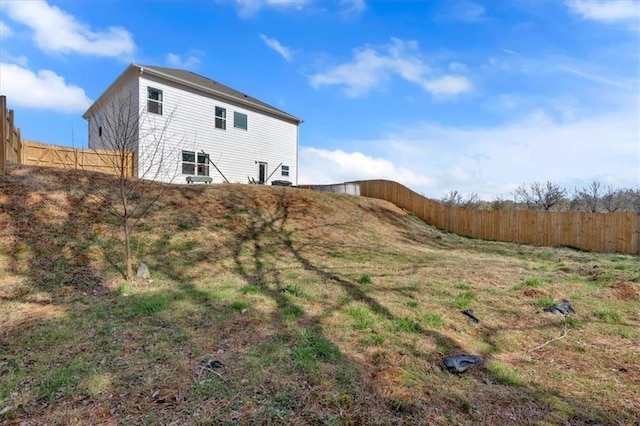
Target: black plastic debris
(461, 363)
(210, 363)
(563, 308)
(469, 314)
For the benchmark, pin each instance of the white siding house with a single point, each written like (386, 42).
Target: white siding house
(176, 120)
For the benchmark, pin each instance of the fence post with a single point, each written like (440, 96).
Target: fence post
(3, 135)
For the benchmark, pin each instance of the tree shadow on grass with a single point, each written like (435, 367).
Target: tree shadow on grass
(266, 238)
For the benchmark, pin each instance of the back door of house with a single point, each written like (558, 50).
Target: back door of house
(262, 172)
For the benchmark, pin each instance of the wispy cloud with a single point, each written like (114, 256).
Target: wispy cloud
(247, 8)
(593, 77)
(372, 67)
(353, 7)
(274, 44)
(43, 89)
(5, 30)
(56, 31)
(609, 11)
(462, 11)
(188, 61)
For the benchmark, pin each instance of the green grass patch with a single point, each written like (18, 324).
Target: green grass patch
(432, 320)
(504, 374)
(292, 312)
(365, 279)
(608, 315)
(361, 317)
(293, 290)
(62, 381)
(373, 340)
(463, 299)
(532, 282)
(405, 325)
(250, 289)
(239, 305)
(311, 350)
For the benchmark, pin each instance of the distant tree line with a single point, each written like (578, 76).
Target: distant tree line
(550, 196)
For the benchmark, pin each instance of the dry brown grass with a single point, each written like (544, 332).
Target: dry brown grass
(325, 309)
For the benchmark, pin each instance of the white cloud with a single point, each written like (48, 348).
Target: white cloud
(468, 11)
(319, 166)
(353, 7)
(371, 67)
(5, 30)
(42, 90)
(189, 62)
(274, 44)
(56, 31)
(248, 8)
(492, 160)
(449, 85)
(606, 10)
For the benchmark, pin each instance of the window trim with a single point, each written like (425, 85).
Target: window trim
(246, 120)
(222, 118)
(200, 163)
(158, 102)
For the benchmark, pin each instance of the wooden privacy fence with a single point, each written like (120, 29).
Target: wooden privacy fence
(599, 232)
(15, 150)
(10, 146)
(40, 154)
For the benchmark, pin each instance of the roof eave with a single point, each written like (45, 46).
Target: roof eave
(86, 114)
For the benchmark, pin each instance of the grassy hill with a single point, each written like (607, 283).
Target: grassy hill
(322, 308)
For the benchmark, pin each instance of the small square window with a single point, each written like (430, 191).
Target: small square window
(240, 120)
(285, 170)
(154, 100)
(221, 118)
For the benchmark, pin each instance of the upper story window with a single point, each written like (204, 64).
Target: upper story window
(154, 100)
(221, 118)
(195, 164)
(240, 120)
(285, 170)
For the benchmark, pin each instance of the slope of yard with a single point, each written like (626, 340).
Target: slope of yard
(322, 308)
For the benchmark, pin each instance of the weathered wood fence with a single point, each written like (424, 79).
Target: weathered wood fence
(14, 149)
(10, 145)
(599, 232)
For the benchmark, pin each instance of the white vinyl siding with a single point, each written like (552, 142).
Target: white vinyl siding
(192, 127)
(102, 121)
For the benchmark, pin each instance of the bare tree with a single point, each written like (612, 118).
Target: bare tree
(618, 200)
(452, 198)
(121, 130)
(540, 196)
(588, 198)
(499, 203)
(455, 198)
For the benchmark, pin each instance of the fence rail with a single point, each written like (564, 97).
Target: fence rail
(14, 149)
(599, 232)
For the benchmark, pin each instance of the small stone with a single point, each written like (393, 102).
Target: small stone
(143, 271)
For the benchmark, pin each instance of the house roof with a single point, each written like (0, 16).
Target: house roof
(197, 81)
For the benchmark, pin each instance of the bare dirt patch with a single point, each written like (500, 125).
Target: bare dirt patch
(625, 290)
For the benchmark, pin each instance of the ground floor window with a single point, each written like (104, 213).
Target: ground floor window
(285, 170)
(195, 163)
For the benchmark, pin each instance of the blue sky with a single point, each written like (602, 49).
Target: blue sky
(439, 95)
